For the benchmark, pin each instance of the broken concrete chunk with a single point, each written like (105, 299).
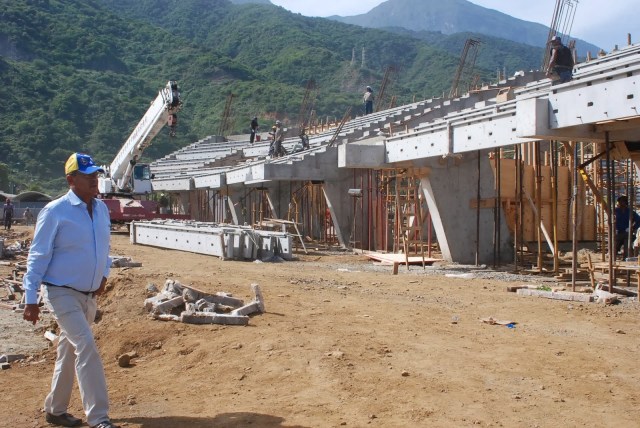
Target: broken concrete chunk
(199, 307)
(209, 318)
(225, 299)
(173, 287)
(9, 358)
(258, 296)
(152, 290)
(119, 261)
(247, 309)
(167, 306)
(166, 317)
(152, 302)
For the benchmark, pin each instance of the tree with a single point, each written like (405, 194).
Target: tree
(4, 177)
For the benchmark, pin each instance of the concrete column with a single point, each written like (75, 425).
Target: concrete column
(450, 188)
(340, 205)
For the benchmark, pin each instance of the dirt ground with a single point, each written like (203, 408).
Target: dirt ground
(346, 343)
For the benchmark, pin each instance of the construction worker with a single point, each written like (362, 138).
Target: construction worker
(367, 99)
(272, 137)
(561, 62)
(278, 138)
(7, 214)
(254, 129)
(28, 216)
(624, 214)
(304, 139)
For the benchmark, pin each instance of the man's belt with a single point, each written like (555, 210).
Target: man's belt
(87, 293)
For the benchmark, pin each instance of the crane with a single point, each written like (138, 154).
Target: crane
(125, 175)
(464, 72)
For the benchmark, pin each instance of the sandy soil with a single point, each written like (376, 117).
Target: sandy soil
(344, 343)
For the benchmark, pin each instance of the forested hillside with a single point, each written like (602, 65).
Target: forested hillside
(78, 75)
(458, 16)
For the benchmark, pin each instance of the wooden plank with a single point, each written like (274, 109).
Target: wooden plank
(392, 258)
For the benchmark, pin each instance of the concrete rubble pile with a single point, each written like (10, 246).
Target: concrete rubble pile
(123, 262)
(179, 302)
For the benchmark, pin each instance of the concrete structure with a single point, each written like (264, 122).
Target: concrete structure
(444, 142)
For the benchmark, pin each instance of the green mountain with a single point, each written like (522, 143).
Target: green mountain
(457, 16)
(79, 74)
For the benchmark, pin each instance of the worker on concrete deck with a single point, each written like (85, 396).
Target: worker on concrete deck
(623, 214)
(367, 99)
(254, 129)
(278, 138)
(561, 62)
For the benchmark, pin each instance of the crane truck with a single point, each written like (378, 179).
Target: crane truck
(125, 178)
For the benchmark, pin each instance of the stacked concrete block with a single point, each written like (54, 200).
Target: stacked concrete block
(179, 302)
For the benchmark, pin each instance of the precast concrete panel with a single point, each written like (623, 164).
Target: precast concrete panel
(247, 173)
(214, 181)
(532, 116)
(194, 241)
(430, 142)
(211, 239)
(496, 131)
(256, 150)
(362, 154)
(208, 154)
(615, 95)
(173, 184)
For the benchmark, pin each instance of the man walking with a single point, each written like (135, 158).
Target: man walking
(69, 256)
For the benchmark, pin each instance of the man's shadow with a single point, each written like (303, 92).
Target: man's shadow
(226, 420)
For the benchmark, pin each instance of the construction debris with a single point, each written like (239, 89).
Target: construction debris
(556, 295)
(493, 321)
(179, 302)
(121, 262)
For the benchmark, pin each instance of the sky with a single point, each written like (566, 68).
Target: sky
(604, 23)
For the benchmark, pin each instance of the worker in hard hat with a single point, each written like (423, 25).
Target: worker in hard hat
(561, 61)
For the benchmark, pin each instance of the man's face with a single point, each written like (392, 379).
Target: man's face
(84, 185)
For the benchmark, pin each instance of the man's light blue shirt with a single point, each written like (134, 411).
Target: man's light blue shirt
(69, 247)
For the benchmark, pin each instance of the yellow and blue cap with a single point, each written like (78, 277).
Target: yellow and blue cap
(82, 163)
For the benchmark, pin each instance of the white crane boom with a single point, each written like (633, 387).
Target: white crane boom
(162, 110)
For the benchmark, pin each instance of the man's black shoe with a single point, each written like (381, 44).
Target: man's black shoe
(65, 420)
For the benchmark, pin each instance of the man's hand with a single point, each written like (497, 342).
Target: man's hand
(31, 313)
(103, 285)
